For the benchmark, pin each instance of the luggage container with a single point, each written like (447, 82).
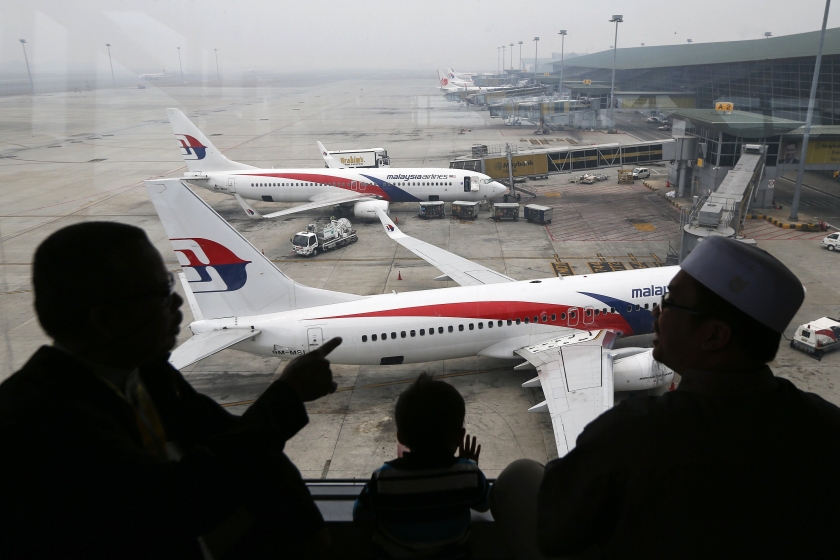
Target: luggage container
(539, 214)
(431, 209)
(465, 210)
(506, 211)
(625, 177)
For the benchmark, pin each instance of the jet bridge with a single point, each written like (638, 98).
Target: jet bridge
(723, 212)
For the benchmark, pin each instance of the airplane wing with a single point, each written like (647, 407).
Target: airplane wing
(331, 162)
(454, 268)
(320, 203)
(206, 344)
(576, 375)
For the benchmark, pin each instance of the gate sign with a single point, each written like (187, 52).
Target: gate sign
(724, 106)
(587, 82)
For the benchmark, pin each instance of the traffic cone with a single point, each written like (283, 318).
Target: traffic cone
(672, 387)
(399, 275)
(396, 219)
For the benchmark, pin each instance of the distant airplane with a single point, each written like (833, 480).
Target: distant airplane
(154, 76)
(563, 327)
(459, 75)
(359, 191)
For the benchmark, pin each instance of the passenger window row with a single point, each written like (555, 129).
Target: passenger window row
(544, 318)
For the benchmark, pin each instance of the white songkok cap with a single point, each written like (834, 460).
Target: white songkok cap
(750, 279)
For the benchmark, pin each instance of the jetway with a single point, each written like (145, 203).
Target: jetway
(534, 109)
(722, 212)
(492, 161)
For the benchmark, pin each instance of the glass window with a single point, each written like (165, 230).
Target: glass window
(517, 320)
(500, 323)
(472, 327)
(637, 308)
(589, 313)
(629, 308)
(364, 338)
(573, 315)
(373, 337)
(393, 335)
(489, 325)
(562, 316)
(460, 327)
(412, 333)
(527, 320)
(481, 325)
(509, 322)
(612, 309)
(384, 336)
(646, 306)
(450, 328)
(422, 332)
(553, 316)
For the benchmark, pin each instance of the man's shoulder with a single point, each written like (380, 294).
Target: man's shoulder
(826, 411)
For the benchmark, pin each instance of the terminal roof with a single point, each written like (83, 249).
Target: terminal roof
(787, 46)
(737, 123)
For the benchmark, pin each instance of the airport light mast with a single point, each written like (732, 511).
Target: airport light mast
(180, 64)
(794, 207)
(503, 57)
(218, 74)
(113, 81)
(617, 19)
(520, 55)
(562, 53)
(31, 84)
(536, 44)
(511, 56)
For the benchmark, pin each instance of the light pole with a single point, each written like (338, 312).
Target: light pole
(113, 81)
(520, 55)
(498, 54)
(180, 65)
(511, 56)
(503, 56)
(562, 53)
(32, 85)
(794, 207)
(617, 20)
(218, 74)
(536, 44)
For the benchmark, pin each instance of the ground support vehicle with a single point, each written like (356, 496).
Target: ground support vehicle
(817, 337)
(431, 209)
(539, 214)
(832, 242)
(641, 173)
(465, 210)
(505, 211)
(625, 177)
(324, 237)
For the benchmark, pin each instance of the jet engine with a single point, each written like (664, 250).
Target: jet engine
(367, 208)
(634, 369)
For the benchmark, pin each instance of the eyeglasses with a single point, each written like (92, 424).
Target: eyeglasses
(155, 297)
(668, 304)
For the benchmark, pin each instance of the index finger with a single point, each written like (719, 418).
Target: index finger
(329, 346)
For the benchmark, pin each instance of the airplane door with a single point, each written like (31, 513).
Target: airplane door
(573, 316)
(314, 338)
(231, 184)
(467, 184)
(474, 184)
(588, 315)
(354, 185)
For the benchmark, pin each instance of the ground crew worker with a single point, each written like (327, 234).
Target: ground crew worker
(735, 463)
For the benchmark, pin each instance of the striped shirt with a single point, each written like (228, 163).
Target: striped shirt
(421, 506)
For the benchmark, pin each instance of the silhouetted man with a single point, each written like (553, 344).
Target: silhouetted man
(735, 463)
(109, 453)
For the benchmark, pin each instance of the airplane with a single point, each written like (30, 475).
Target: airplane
(563, 327)
(467, 77)
(359, 191)
(154, 76)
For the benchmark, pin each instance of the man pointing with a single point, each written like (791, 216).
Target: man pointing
(108, 452)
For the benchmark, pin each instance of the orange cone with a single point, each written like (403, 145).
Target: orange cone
(399, 275)
(396, 219)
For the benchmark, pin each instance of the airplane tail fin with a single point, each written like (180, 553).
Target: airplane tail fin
(199, 153)
(227, 275)
(331, 162)
(444, 81)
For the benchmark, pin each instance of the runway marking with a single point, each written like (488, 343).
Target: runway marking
(390, 383)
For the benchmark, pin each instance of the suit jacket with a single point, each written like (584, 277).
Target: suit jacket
(76, 481)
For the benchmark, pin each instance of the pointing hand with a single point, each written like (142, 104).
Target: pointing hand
(309, 375)
(467, 449)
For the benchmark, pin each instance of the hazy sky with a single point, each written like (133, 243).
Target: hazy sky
(70, 35)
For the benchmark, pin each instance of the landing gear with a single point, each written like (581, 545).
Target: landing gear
(505, 198)
(518, 197)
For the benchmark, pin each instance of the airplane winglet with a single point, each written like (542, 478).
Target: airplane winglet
(390, 228)
(247, 207)
(331, 162)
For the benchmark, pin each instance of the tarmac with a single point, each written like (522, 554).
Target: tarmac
(71, 157)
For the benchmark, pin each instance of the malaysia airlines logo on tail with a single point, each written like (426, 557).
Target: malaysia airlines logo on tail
(451, 75)
(216, 268)
(191, 147)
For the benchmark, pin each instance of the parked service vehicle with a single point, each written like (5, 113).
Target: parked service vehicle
(324, 237)
(655, 120)
(832, 242)
(539, 214)
(664, 127)
(431, 209)
(641, 173)
(465, 210)
(817, 337)
(600, 176)
(506, 211)
(588, 179)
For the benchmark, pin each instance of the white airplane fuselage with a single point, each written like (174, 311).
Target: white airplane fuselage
(456, 322)
(393, 185)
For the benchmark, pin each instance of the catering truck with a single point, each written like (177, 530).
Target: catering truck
(817, 337)
(324, 237)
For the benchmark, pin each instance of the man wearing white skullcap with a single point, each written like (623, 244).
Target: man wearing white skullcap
(735, 463)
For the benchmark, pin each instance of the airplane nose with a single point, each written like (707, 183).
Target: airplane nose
(501, 189)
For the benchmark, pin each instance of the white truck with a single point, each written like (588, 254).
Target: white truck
(817, 337)
(832, 242)
(324, 237)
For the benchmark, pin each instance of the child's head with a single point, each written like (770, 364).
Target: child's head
(430, 416)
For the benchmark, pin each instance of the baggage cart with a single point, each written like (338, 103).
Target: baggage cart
(625, 176)
(465, 210)
(539, 214)
(506, 211)
(431, 209)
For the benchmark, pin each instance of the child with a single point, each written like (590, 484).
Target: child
(420, 502)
